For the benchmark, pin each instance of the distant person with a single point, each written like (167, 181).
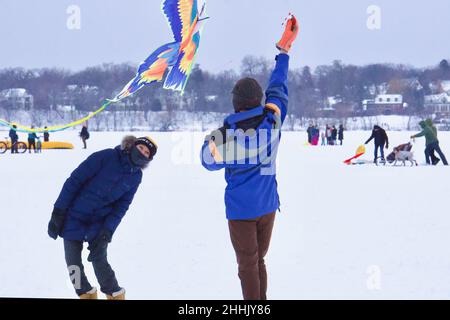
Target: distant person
(309, 131)
(315, 136)
(334, 134)
(323, 138)
(341, 134)
(46, 135)
(431, 142)
(381, 141)
(329, 134)
(32, 137)
(92, 204)
(39, 145)
(14, 139)
(84, 135)
(434, 159)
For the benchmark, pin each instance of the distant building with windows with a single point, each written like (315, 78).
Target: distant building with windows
(438, 104)
(16, 98)
(385, 104)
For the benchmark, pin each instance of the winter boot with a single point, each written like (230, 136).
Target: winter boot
(118, 295)
(90, 295)
(435, 161)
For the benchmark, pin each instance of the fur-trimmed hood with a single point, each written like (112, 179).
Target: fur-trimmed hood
(128, 142)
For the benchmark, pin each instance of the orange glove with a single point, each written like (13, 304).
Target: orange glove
(289, 35)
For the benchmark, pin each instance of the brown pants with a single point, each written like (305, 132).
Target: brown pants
(251, 239)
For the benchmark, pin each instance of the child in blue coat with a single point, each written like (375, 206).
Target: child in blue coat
(90, 207)
(246, 147)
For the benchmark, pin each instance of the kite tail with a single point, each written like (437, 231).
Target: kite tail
(152, 69)
(179, 74)
(25, 129)
(177, 79)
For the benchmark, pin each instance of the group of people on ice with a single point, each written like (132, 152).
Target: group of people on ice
(429, 131)
(96, 196)
(34, 141)
(329, 136)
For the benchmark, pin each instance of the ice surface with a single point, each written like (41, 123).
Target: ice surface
(362, 232)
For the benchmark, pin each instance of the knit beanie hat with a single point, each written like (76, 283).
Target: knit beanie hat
(247, 94)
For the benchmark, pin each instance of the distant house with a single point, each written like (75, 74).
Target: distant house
(402, 85)
(384, 104)
(438, 104)
(211, 98)
(16, 98)
(441, 86)
(336, 107)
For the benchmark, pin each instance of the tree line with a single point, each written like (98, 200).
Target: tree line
(206, 91)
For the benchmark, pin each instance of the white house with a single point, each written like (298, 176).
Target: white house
(16, 98)
(385, 104)
(438, 104)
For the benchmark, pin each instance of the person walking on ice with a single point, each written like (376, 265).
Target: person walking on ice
(251, 196)
(381, 141)
(14, 139)
(90, 207)
(341, 134)
(32, 137)
(84, 135)
(431, 142)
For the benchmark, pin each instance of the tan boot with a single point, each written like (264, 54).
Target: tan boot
(90, 295)
(119, 295)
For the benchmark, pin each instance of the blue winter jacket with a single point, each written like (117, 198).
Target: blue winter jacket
(248, 157)
(13, 135)
(97, 194)
(32, 136)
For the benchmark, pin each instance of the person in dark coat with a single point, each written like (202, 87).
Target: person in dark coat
(309, 131)
(32, 137)
(90, 207)
(381, 141)
(84, 135)
(334, 133)
(329, 133)
(341, 134)
(46, 135)
(14, 139)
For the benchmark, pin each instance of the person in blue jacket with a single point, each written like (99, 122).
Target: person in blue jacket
(14, 139)
(246, 147)
(32, 137)
(90, 207)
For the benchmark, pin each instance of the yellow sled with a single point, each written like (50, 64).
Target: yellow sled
(55, 145)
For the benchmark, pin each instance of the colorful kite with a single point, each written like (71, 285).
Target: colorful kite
(173, 60)
(178, 56)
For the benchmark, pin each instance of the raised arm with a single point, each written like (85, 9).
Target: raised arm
(277, 91)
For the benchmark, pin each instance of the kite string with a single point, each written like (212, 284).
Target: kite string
(21, 128)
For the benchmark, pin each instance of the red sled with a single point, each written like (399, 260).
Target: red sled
(359, 152)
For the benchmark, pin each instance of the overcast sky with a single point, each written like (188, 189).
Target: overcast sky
(35, 34)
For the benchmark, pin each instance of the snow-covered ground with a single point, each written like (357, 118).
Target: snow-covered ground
(361, 232)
